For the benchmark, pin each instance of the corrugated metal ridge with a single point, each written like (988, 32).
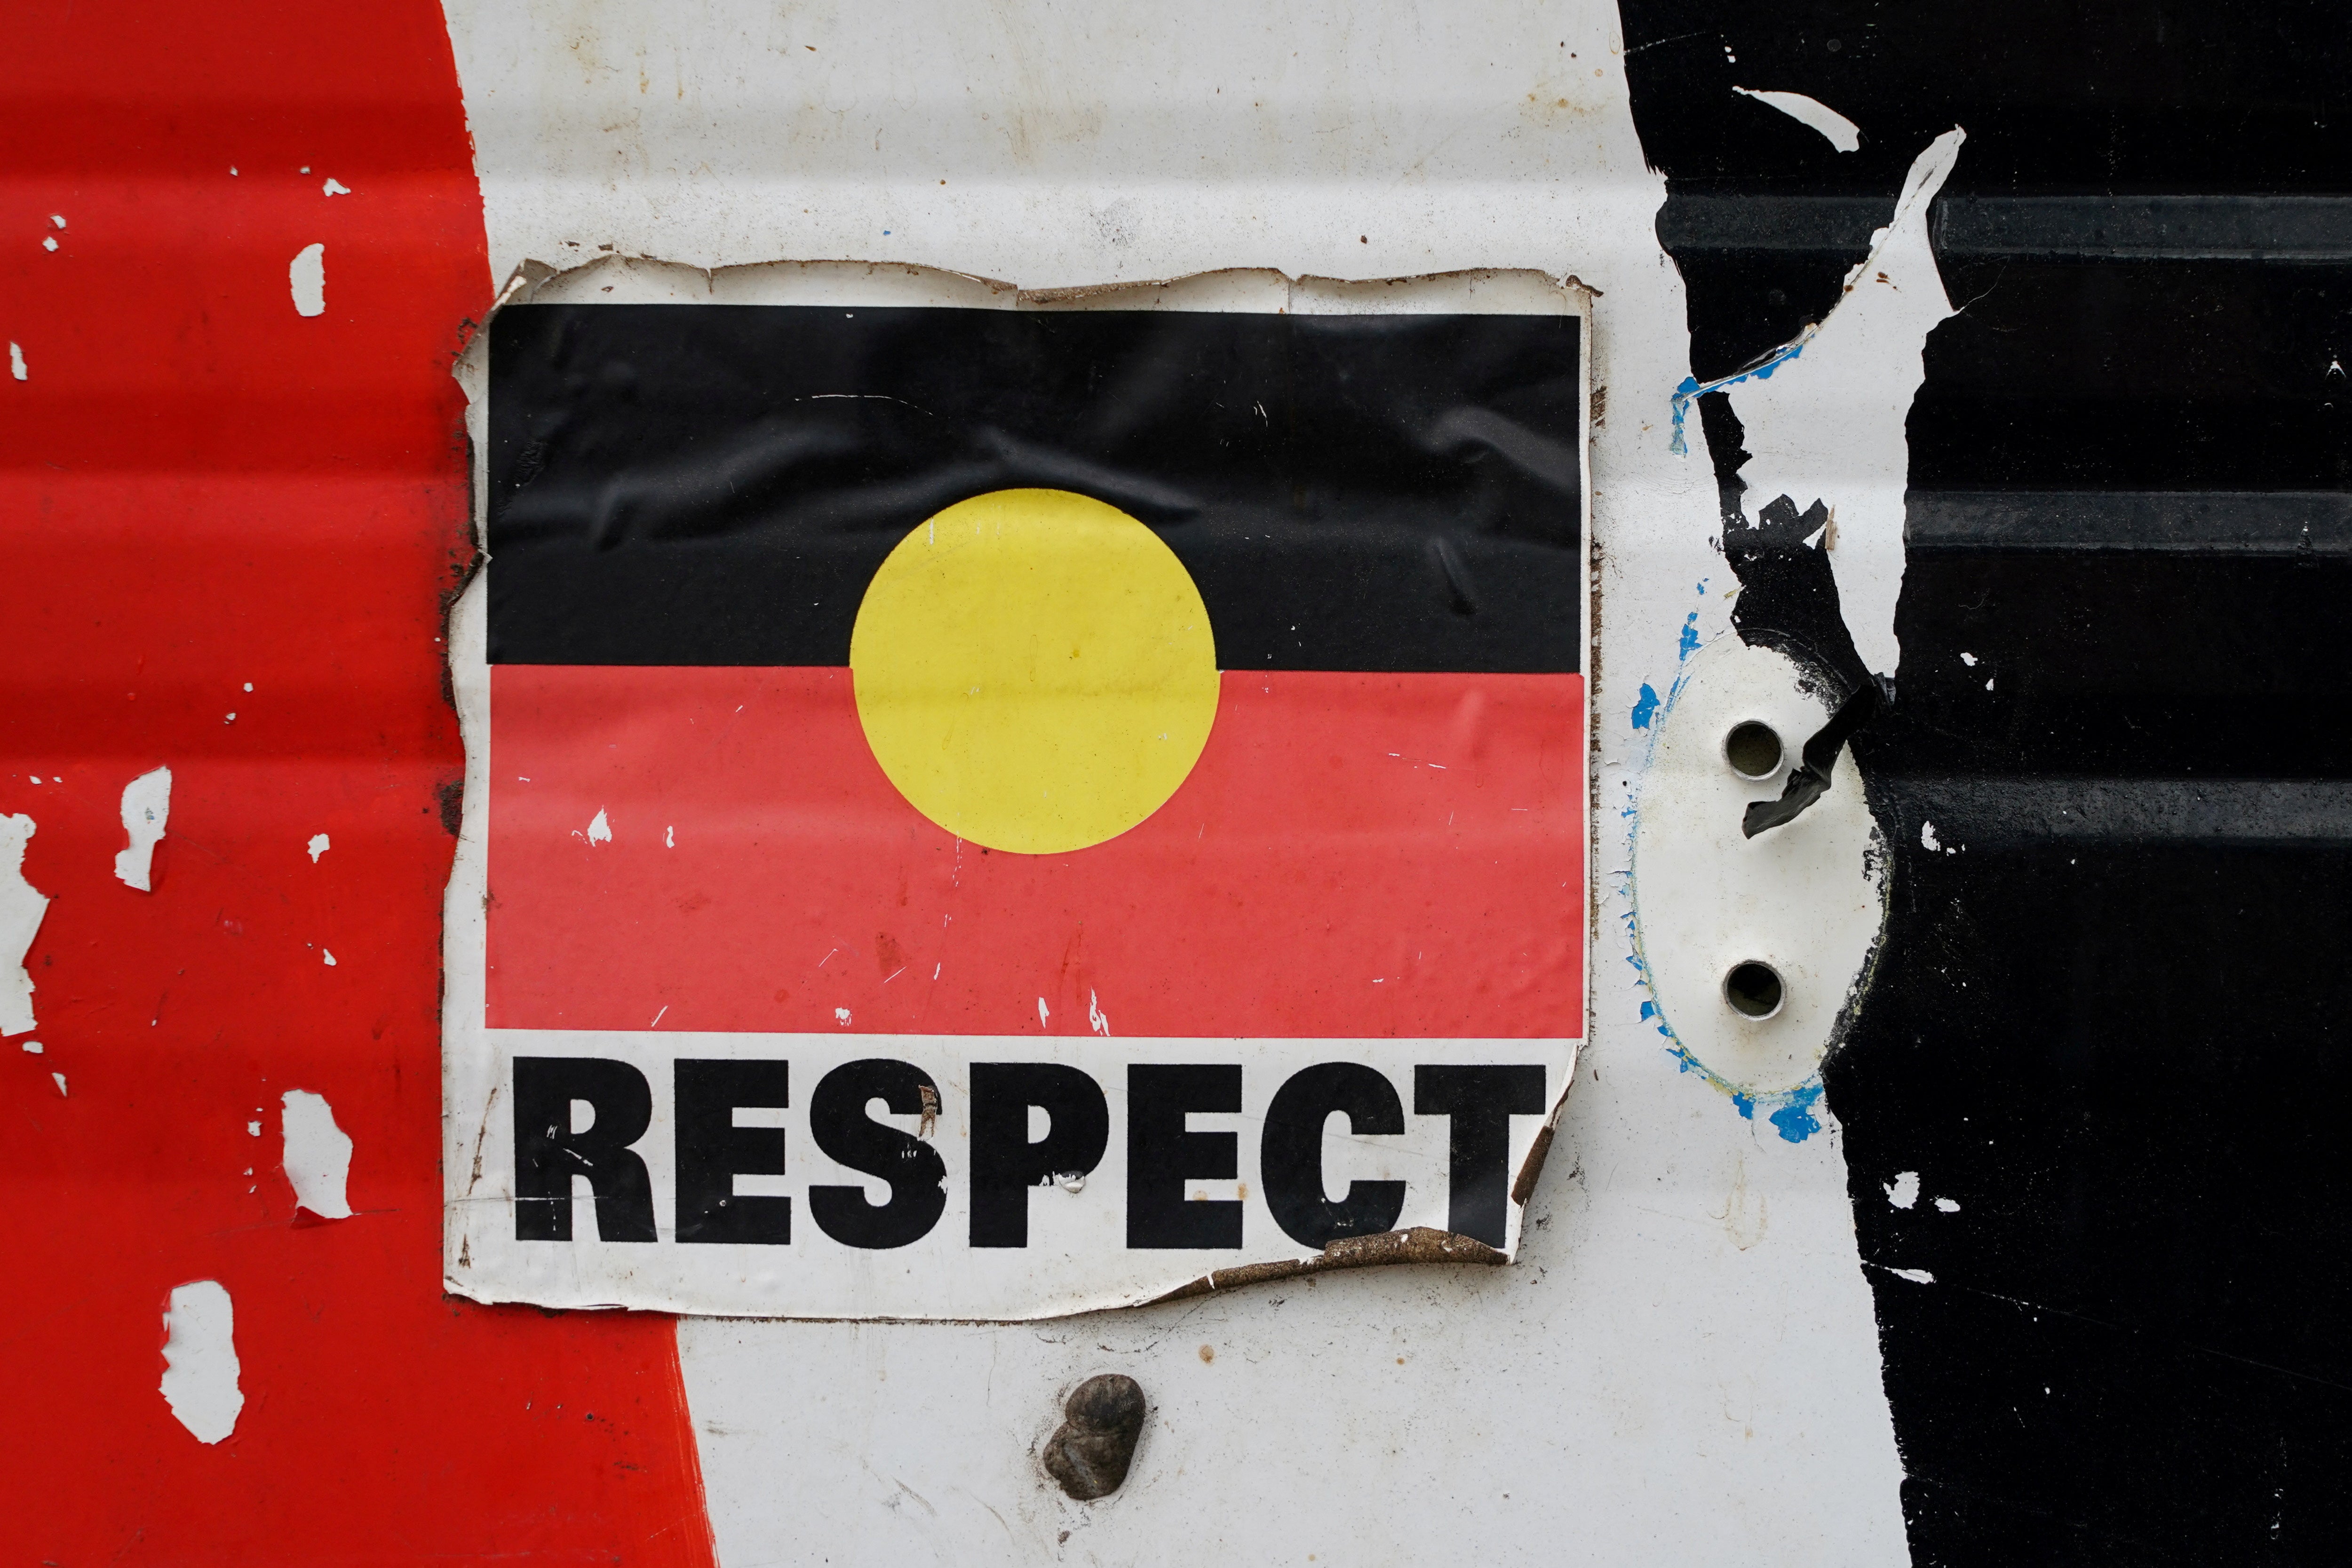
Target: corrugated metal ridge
(2256, 522)
(2315, 228)
(1999, 811)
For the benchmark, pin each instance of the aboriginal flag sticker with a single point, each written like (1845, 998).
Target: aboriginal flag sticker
(982, 810)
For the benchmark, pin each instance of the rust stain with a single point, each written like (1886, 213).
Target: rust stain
(1420, 1245)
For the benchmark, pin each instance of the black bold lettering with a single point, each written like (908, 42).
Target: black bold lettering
(1162, 1156)
(1290, 1152)
(712, 1151)
(1480, 1102)
(548, 1153)
(839, 1123)
(1004, 1163)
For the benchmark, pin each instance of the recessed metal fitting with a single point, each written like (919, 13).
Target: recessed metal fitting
(1090, 1452)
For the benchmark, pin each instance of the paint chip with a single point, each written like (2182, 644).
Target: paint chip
(1094, 1017)
(22, 907)
(318, 1154)
(335, 188)
(1970, 660)
(1949, 1205)
(49, 243)
(319, 845)
(1045, 1016)
(200, 1360)
(34, 1047)
(1928, 837)
(669, 837)
(1842, 133)
(146, 808)
(600, 829)
(58, 219)
(1917, 1275)
(328, 956)
(60, 1080)
(841, 1016)
(16, 362)
(253, 1129)
(308, 277)
(1904, 1190)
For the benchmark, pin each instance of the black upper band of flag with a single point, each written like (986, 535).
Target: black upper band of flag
(717, 484)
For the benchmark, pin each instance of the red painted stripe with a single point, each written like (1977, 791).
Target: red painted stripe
(1354, 855)
(200, 489)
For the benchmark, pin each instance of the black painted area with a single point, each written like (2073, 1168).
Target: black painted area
(717, 484)
(2110, 1022)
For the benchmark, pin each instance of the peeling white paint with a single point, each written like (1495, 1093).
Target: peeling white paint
(318, 1154)
(1948, 1205)
(1904, 1190)
(841, 1016)
(1095, 1019)
(1928, 837)
(308, 277)
(60, 1080)
(200, 1360)
(146, 809)
(600, 829)
(328, 956)
(21, 909)
(335, 188)
(16, 362)
(1917, 1275)
(34, 1047)
(1827, 423)
(1842, 133)
(318, 846)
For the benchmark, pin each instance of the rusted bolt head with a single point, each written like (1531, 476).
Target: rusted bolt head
(1090, 1452)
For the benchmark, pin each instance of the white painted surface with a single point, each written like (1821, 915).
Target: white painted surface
(146, 810)
(1841, 133)
(308, 277)
(21, 909)
(1652, 1382)
(1807, 898)
(318, 1154)
(200, 1366)
(1828, 423)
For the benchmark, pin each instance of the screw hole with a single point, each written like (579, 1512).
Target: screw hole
(1753, 989)
(1753, 750)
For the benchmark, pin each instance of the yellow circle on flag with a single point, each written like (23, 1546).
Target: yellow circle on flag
(1035, 670)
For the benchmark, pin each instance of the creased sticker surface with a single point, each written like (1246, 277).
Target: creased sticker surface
(1080, 801)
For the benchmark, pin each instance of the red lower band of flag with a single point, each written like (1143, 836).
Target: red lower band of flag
(1355, 855)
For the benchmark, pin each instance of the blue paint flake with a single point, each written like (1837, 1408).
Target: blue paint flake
(1647, 707)
(1795, 1118)
(1691, 389)
(1690, 637)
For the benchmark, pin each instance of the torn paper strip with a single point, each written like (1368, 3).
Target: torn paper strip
(1827, 423)
(1842, 133)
